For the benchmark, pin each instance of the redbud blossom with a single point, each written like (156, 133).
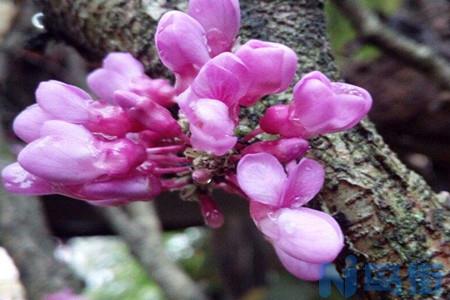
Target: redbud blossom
(182, 46)
(319, 107)
(304, 238)
(272, 68)
(221, 21)
(122, 72)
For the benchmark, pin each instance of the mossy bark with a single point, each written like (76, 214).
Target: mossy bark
(388, 212)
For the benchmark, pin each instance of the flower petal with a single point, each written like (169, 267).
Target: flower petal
(272, 68)
(28, 123)
(211, 126)
(63, 101)
(221, 21)
(224, 78)
(182, 46)
(17, 180)
(308, 234)
(322, 106)
(133, 188)
(262, 178)
(123, 63)
(304, 182)
(104, 83)
(61, 159)
(300, 269)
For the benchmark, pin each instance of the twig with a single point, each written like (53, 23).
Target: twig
(373, 30)
(138, 224)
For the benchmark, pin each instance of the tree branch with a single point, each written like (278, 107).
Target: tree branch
(388, 213)
(372, 29)
(139, 226)
(24, 234)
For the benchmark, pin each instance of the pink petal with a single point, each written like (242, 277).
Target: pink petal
(159, 119)
(304, 183)
(224, 78)
(66, 130)
(182, 46)
(120, 156)
(211, 127)
(109, 119)
(157, 90)
(308, 234)
(133, 188)
(104, 83)
(322, 106)
(28, 123)
(221, 21)
(272, 67)
(262, 178)
(60, 159)
(300, 269)
(217, 145)
(284, 150)
(17, 180)
(123, 63)
(63, 101)
(276, 120)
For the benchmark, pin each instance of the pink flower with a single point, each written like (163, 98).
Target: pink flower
(182, 46)
(135, 186)
(272, 68)
(221, 21)
(70, 154)
(185, 42)
(211, 103)
(212, 129)
(122, 72)
(28, 123)
(148, 114)
(60, 101)
(304, 238)
(319, 107)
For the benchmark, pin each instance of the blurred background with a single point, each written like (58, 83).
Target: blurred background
(411, 111)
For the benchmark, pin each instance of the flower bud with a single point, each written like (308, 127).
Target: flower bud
(182, 46)
(221, 21)
(272, 68)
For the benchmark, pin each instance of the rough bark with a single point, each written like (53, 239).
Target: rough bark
(24, 234)
(139, 226)
(388, 213)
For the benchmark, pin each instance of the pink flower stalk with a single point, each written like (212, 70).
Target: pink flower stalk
(304, 238)
(319, 107)
(122, 72)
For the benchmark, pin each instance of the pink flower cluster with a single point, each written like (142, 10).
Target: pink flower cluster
(141, 136)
